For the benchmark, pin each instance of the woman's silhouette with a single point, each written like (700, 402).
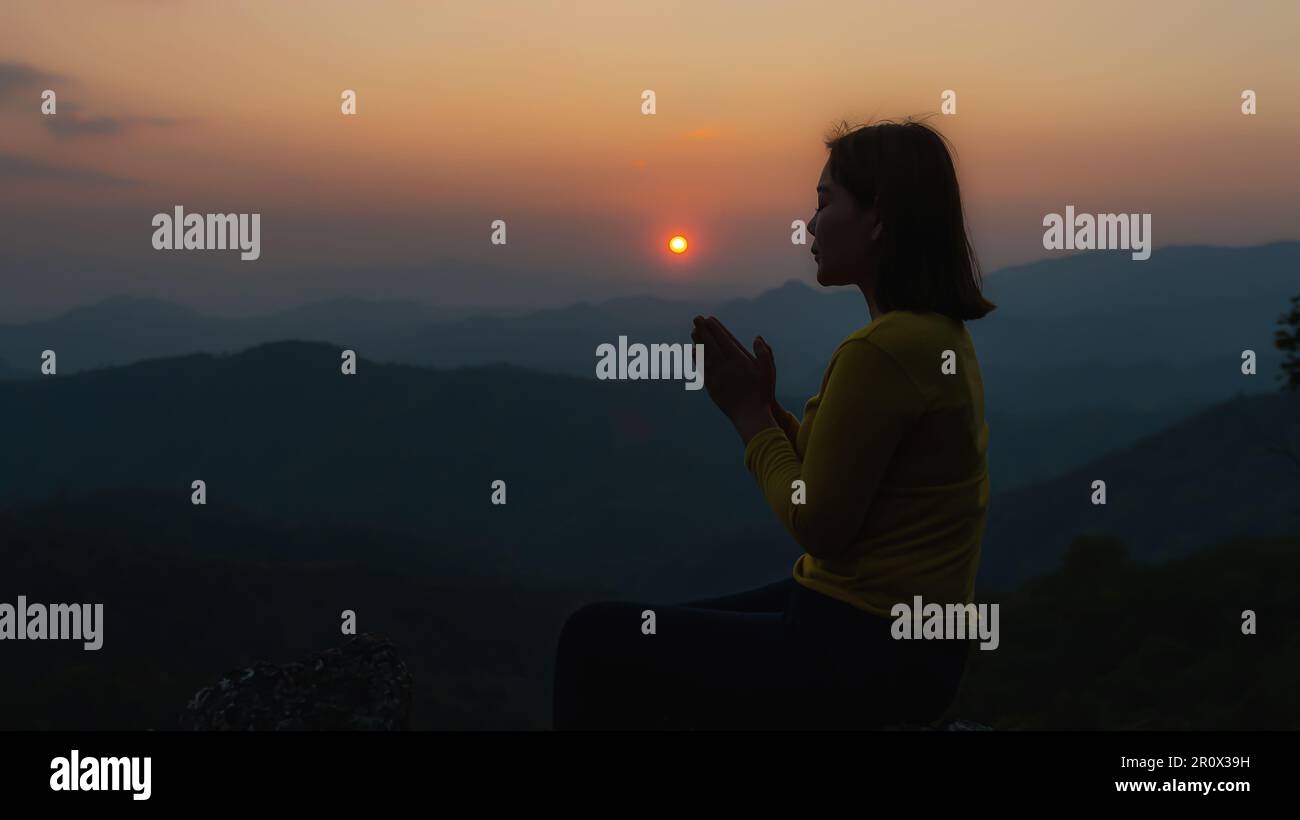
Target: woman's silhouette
(884, 484)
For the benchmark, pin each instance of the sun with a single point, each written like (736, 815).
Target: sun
(677, 244)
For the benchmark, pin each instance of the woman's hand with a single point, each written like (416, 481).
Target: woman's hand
(766, 361)
(741, 384)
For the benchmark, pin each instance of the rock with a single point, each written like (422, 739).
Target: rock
(951, 725)
(361, 685)
(963, 726)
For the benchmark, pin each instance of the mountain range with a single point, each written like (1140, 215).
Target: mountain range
(1088, 330)
(1084, 354)
(604, 480)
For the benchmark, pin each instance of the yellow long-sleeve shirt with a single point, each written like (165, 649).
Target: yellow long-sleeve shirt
(892, 453)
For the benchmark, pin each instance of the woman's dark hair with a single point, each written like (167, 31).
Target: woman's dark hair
(905, 169)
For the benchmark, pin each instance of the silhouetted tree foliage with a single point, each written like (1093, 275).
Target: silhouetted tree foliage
(1106, 643)
(1288, 341)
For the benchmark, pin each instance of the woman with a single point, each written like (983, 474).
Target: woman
(884, 484)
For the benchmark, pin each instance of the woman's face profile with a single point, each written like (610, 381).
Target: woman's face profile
(845, 235)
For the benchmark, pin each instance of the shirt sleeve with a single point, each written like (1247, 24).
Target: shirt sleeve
(789, 424)
(866, 404)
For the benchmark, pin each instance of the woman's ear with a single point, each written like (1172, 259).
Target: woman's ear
(872, 216)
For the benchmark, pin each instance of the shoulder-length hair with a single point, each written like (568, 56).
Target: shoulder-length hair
(905, 170)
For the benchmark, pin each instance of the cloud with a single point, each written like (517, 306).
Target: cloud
(70, 123)
(21, 84)
(19, 78)
(14, 167)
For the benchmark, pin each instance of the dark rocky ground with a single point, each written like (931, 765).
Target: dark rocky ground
(361, 685)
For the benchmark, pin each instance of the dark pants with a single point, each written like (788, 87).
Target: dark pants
(780, 656)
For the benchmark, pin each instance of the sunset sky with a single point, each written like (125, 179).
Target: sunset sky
(530, 112)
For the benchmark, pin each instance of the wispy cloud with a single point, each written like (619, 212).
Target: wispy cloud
(21, 84)
(17, 79)
(71, 123)
(14, 167)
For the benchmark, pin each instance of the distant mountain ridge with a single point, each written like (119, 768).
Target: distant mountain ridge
(1095, 346)
(1209, 477)
(1093, 329)
(279, 430)
(631, 482)
(125, 329)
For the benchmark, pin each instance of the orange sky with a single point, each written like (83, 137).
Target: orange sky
(529, 111)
